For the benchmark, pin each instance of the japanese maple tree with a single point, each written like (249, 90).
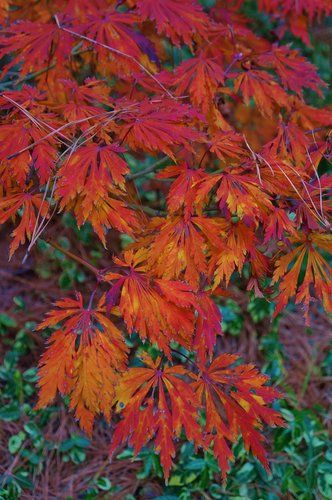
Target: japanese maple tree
(99, 94)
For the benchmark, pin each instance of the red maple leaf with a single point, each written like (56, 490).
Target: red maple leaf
(30, 206)
(179, 21)
(157, 126)
(91, 181)
(145, 419)
(265, 91)
(35, 45)
(157, 309)
(235, 400)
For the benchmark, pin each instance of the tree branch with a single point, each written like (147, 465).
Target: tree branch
(148, 170)
(75, 258)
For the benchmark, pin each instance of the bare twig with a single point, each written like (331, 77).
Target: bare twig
(58, 130)
(37, 121)
(254, 157)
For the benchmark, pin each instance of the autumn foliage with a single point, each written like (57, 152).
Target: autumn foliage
(96, 85)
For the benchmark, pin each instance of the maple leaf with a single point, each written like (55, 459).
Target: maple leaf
(179, 21)
(296, 14)
(145, 419)
(181, 247)
(314, 209)
(90, 180)
(82, 360)
(182, 191)
(157, 309)
(200, 76)
(113, 31)
(290, 142)
(44, 155)
(228, 145)
(235, 399)
(30, 98)
(29, 205)
(156, 126)
(238, 245)
(36, 45)
(317, 273)
(15, 137)
(294, 70)
(238, 193)
(308, 117)
(265, 91)
(278, 224)
(208, 326)
(24, 147)
(83, 101)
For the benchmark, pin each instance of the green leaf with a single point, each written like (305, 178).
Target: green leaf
(197, 464)
(7, 321)
(32, 429)
(19, 302)
(15, 442)
(10, 413)
(80, 441)
(104, 483)
(246, 472)
(30, 375)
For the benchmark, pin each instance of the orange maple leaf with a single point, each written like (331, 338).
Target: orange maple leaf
(317, 273)
(83, 359)
(289, 64)
(200, 76)
(240, 194)
(238, 245)
(182, 191)
(181, 246)
(35, 44)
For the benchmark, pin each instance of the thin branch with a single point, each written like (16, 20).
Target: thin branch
(57, 131)
(34, 120)
(318, 129)
(106, 114)
(254, 157)
(148, 170)
(147, 210)
(257, 156)
(315, 213)
(184, 356)
(75, 258)
(203, 156)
